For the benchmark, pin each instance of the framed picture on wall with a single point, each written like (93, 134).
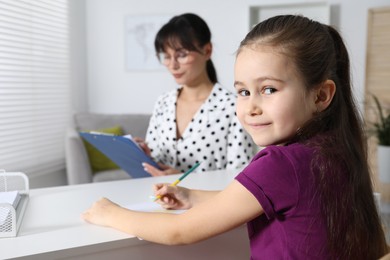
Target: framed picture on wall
(140, 31)
(317, 11)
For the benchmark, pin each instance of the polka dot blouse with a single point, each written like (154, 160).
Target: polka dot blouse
(214, 137)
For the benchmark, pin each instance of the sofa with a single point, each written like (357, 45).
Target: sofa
(78, 167)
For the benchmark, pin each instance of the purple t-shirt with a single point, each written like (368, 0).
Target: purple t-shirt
(281, 179)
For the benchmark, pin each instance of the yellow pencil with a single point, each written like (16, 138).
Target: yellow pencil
(181, 178)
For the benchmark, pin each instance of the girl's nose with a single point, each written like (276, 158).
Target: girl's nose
(254, 106)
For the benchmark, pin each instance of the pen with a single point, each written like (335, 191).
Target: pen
(181, 178)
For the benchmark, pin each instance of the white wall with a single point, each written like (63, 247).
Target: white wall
(112, 89)
(78, 57)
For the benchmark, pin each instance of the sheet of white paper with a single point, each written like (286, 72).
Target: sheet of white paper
(128, 136)
(10, 197)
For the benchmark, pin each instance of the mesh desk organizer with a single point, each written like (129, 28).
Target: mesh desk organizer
(10, 217)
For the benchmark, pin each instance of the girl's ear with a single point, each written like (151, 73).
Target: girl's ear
(325, 94)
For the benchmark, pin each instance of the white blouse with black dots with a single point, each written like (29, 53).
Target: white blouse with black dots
(214, 136)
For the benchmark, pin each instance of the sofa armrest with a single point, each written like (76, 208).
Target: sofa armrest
(78, 168)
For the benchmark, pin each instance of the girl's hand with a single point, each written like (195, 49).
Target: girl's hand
(166, 170)
(172, 197)
(100, 213)
(143, 145)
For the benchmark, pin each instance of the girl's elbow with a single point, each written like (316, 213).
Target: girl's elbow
(180, 238)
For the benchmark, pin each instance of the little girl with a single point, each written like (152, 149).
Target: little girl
(307, 194)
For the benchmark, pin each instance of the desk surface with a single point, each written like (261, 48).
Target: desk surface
(52, 223)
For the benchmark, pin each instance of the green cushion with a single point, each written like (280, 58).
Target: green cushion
(100, 162)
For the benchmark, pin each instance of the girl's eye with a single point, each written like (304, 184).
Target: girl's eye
(269, 90)
(243, 93)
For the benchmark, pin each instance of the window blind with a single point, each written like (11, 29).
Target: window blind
(377, 82)
(34, 85)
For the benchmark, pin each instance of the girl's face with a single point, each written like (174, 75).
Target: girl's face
(272, 102)
(187, 67)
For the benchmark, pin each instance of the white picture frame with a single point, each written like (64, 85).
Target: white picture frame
(319, 11)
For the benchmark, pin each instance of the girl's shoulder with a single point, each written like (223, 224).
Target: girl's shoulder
(287, 165)
(294, 153)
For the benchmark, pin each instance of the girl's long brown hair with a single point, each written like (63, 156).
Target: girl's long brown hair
(344, 184)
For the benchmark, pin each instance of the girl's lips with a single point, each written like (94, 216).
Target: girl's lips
(258, 125)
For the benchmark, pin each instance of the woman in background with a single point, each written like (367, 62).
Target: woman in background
(196, 122)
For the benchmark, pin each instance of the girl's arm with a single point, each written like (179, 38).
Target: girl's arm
(226, 210)
(176, 197)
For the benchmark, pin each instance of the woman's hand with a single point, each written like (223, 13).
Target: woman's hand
(143, 145)
(100, 213)
(172, 197)
(165, 169)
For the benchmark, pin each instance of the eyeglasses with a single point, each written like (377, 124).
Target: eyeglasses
(181, 56)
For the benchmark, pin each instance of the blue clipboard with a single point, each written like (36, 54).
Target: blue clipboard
(121, 150)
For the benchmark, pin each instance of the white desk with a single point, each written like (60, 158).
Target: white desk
(52, 227)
